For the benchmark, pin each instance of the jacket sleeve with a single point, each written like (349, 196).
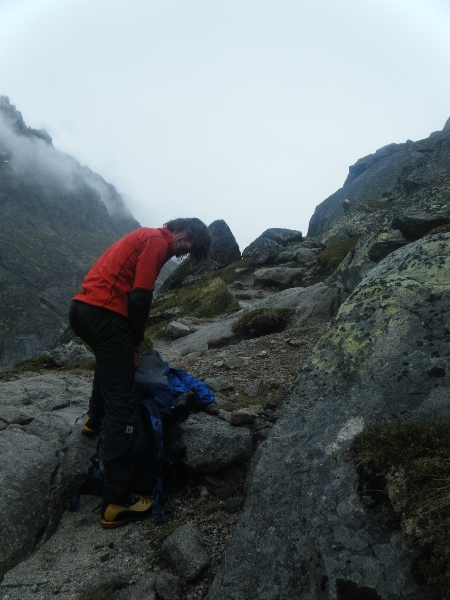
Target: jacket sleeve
(139, 302)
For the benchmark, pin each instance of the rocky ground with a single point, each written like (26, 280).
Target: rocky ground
(81, 560)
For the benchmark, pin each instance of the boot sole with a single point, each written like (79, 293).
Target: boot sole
(89, 432)
(112, 524)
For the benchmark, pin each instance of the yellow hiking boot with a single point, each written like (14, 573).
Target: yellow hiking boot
(137, 508)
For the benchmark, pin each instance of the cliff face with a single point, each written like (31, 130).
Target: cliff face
(395, 179)
(56, 218)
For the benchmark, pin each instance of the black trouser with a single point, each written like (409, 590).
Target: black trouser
(113, 396)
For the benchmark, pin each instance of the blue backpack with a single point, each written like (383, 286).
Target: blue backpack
(166, 396)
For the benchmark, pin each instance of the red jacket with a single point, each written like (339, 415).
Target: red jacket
(132, 262)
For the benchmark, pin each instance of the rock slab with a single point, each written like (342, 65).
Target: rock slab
(304, 532)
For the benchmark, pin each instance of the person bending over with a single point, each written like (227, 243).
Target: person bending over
(109, 314)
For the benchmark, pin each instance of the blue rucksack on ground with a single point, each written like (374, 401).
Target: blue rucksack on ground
(166, 396)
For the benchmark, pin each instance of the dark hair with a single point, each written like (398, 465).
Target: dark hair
(197, 233)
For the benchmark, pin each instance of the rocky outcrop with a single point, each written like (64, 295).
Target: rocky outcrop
(265, 249)
(57, 217)
(41, 458)
(304, 531)
(312, 304)
(224, 251)
(397, 179)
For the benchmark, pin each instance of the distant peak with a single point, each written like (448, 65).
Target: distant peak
(13, 118)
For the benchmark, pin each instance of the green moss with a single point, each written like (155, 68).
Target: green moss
(440, 229)
(205, 298)
(262, 321)
(36, 364)
(330, 258)
(228, 273)
(373, 205)
(408, 466)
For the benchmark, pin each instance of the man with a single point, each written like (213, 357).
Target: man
(110, 314)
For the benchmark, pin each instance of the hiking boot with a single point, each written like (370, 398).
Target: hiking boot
(92, 426)
(137, 508)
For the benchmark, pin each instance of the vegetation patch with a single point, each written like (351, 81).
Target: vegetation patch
(228, 273)
(441, 229)
(38, 363)
(373, 205)
(262, 321)
(201, 299)
(407, 466)
(330, 258)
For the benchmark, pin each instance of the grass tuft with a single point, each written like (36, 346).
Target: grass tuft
(407, 466)
(40, 362)
(440, 229)
(262, 321)
(330, 259)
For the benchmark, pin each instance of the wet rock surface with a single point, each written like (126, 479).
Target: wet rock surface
(304, 528)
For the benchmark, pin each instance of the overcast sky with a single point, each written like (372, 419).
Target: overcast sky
(249, 111)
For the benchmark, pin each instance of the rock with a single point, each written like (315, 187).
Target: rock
(169, 587)
(306, 256)
(70, 355)
(287, 256)
(370, 178)
(384, 244)
(242, 416)
(312, 243)
(281, 236)
(315, 303)
(279, 276)
(256, 388)
(212, 444)
(232, 505)
(185, 551)
(42, 456)
(175, 330)
(224, 251)
(224, 248)
(218, 385)
(303, 513)
(416, 225)
(262, 251)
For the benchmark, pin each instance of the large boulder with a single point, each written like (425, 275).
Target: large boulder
(317, 303)
(304, 532)
(224, 251)
(262, 251)
(213, 445)
(269, 244)
(42, 454)
(279, 276)
(417, 224)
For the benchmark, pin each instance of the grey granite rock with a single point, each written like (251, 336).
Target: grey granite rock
(185, 551)
(315, 303)
(213, 444)
(279, 276)
(70, 355)
(42, 455)
(169, 587)
(224, 251)
(175, 330)
(304, 532)
(262, 251)
(415, 225)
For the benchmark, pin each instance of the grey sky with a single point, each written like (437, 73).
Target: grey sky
(250, 111)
